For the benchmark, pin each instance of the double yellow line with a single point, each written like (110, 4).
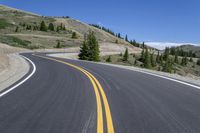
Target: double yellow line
(98, 92)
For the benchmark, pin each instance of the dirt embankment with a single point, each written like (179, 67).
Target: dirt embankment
(105, 49)
(12, 66)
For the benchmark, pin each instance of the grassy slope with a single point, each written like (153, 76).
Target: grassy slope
(11, 18)
(193, 48)
(190, 69)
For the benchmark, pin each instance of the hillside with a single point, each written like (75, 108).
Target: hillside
(188, 48)
(22, 29)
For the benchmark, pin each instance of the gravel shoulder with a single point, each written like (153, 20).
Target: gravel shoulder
(190, 79)
(12, 66)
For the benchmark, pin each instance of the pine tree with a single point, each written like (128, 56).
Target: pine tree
(84, 51)
(158, 57)
(126, 38)
(142, 56)
(90, 48)
(191, 60)
(58, 45)
(143, 45)
(17, 29)
(57, 29)
(74, 35)
(126, 55)
(28, 27)
(166, 54)
(167, 66)
(184, 61)
(64, 28)
(153, 62)
(119, 35)
(161, 59)
(176, 58)
(135, 62)
(35, 27)
(198, 62)
(51, 27)
(93, 47)
(147, 61)
(43, 26)
(108, 59)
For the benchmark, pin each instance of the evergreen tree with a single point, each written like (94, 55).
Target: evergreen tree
(108, 59)
(93, 47)
(147, 61)
(57, 29)
(119, 35)
(172, 50)
(143, 45)
(51, 27)
(191, 60)
(153, 62)
(184, 61)
(167, 66)
(74, 35)
(61, 26)
(84, 51)
(135, 62)
(198, 62)
(35, 27)
(64, 28)
(43, 26)
(58, 45)
(166, 54)
(176, 58)
(17, 29)
(126, 38)
(142, 56)
(28, 27)
(161, 59)
(90, 48)
(158, 57)
(126, 55)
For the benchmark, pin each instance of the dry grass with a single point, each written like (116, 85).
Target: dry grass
(5, 50)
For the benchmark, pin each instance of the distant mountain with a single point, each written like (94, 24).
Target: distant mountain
(163, 45)
(192, 48)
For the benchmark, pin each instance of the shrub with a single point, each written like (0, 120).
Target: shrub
(108, 59)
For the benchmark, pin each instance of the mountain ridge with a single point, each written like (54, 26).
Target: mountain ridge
(163, 45)
(25, 23)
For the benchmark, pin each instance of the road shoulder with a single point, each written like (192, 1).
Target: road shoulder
(14, 70)
(192, 80)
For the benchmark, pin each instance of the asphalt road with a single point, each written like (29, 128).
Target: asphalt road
(61, 99)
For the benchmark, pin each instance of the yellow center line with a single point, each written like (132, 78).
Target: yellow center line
(95, 83)
(110, 127)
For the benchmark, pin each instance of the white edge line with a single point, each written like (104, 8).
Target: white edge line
(149, 73)
(12, 88)
(164, 77)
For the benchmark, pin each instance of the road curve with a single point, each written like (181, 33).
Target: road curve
(59, 98)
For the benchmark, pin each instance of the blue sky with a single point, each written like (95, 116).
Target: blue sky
(143, 20)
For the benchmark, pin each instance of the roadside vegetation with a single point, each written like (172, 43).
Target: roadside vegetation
(90, 48)
(4, 23)
(167, 61)
(120, 36)
(14, 41)
(45, 31)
